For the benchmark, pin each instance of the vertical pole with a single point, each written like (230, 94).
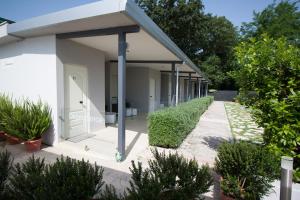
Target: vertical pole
(202, 88)
(190, 87)
(173, 84)
(286, 178)
(206, 91)
(121, 95)
(199, 88)
(177, 84)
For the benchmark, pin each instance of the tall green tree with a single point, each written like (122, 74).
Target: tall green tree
(277, 20)
(181, 20)
(271, 68)
(198, 34)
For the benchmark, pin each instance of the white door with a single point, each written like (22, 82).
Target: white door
(152, 95)
(75, 101)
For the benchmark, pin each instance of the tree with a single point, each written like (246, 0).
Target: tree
(271, 68)
(181, 20)
(277, 20)
(198, 34)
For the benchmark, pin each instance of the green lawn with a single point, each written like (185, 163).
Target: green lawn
(243, 126)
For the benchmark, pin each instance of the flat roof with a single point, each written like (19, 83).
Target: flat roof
(101, 14)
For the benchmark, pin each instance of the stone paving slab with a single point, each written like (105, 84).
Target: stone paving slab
(242, 124)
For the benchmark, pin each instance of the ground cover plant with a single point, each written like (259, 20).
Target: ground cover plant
(170, 126)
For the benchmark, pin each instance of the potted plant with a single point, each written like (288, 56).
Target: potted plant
(10, 115)
(247, 170)
(39, 121)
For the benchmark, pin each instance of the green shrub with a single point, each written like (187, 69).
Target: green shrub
(28, 180)
(271, 68)
(65, 179)
(168, 177)
(169, 127)
(247, 169)
(5, 170)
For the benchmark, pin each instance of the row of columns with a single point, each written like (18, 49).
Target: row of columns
(201, 84)
(122, 46)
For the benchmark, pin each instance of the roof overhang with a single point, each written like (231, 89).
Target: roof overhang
(102, 15)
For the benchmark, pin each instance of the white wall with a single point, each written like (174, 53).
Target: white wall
(28, 69)
(69, 52)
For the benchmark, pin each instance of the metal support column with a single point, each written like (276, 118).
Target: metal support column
(173, 85)
(199, 88)
(121, 95)
(206, 91)
(190, 87)
(177, 85)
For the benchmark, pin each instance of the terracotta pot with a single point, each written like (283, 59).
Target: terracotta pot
(2, 136)
(33, 145)
(12, 140)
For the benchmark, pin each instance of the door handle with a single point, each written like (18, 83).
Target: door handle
(81, 102)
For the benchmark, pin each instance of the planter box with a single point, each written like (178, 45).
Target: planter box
(110, 118)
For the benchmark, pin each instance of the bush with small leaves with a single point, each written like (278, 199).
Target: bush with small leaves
(169, 177)
(27, 180)
(247, 169)
(170, 126)
(63, 180)
(71, 179)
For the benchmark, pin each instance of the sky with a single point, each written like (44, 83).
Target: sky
(237, 11)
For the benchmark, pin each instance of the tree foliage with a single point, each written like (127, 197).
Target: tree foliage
(277, 20)
(271, 68)
(198, 34)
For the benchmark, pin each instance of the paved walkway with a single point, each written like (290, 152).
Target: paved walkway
(212, 129)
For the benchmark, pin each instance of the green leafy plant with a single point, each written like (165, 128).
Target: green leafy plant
(39, 120)
(5, 170)
(247, 169)
(271, 69)
(71, 179)
(169, 127)
(24, 119)
(28, 180)
(169, 177)
(6, 110)
(64, 179)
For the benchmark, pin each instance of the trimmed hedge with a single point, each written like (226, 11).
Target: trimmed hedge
(169, 127)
